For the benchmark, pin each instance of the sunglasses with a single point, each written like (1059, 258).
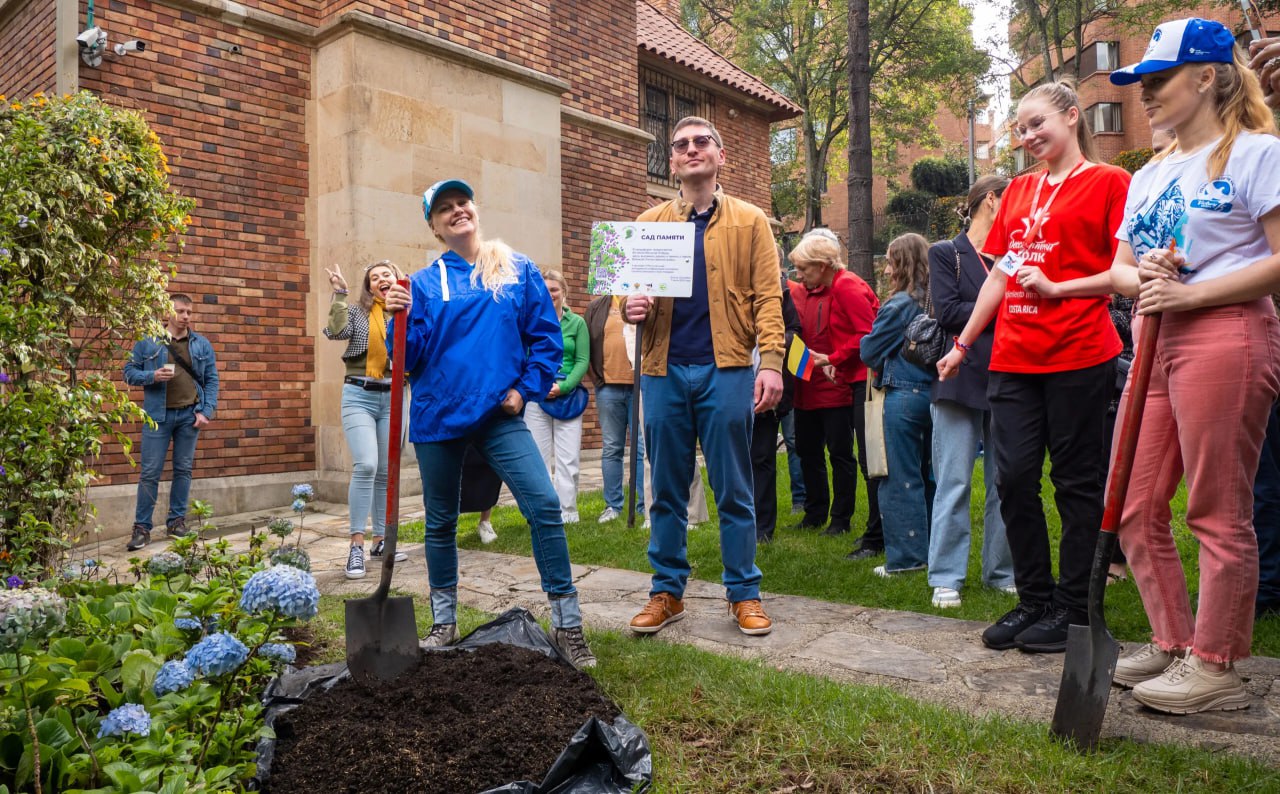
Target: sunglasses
(700, 142)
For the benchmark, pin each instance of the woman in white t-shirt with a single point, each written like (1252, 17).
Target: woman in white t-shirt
(1200, 244)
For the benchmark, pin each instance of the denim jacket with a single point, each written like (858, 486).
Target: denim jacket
(882, 348)
(150, 355)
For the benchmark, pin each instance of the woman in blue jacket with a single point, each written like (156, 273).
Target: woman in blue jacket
(906, 495)
(483, 339)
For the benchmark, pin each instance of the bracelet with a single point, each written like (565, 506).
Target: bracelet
(962, 345)
(341, 292)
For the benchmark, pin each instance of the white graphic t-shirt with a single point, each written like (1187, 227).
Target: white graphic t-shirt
(1214, 221)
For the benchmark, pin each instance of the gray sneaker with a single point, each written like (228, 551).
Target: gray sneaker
(141, 536)
(440, 636)
(179, 528)
(573, 644)
(1144, 664)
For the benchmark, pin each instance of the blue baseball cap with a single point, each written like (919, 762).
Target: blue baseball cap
(431, 193)
(1191, 40)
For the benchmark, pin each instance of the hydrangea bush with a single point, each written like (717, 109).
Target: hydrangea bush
(150, 686)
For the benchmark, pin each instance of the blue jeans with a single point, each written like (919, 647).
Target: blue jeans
(366, 419)
(906, 495)
(508, 447)
(1266, 514)
(788, 425)
(179, 428)
(614, 406)
(701, 403)
(956, 431)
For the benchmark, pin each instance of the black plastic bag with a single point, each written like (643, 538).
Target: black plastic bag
(601, 758)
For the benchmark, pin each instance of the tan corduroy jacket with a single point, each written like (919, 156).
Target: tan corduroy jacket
(743, 287)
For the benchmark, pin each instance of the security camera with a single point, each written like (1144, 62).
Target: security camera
(133, 45)
(92, 38)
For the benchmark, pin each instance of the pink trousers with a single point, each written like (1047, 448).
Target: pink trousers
(1216, 375)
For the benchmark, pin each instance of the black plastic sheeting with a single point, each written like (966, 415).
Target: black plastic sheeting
(601, 758)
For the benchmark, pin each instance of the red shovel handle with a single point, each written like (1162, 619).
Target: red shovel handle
(393, 448)
(1122, 464)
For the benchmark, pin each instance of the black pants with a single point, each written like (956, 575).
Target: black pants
(873, 537)
(764, 472)
(820, 433)
(1065, 413)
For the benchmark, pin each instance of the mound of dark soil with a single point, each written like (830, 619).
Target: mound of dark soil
(461, 722)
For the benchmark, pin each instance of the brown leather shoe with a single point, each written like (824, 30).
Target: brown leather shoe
(663, 608)
(751, 617)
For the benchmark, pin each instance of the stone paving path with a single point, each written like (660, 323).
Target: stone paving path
(931, 658)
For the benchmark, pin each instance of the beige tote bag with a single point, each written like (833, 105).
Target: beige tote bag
(877, 457)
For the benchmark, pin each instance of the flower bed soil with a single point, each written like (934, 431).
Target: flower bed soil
(461, 722)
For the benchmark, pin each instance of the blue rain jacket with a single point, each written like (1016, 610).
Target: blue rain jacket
(463, 354)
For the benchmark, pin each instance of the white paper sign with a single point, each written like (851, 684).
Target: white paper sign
(641, 258)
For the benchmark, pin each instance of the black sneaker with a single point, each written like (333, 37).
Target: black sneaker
(807, 523)
(861, 552)
(1000, 636)
(835, 530)
(141, 537)
(573, 644)
(355, 563)
(178, 528)
(1049, 633)
(380, 546)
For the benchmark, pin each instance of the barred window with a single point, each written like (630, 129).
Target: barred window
(663, 102)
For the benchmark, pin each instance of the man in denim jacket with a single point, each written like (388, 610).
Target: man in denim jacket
(179, 376)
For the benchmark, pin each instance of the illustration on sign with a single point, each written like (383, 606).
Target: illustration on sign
(648, 258)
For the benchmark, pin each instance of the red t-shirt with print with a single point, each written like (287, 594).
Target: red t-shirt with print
(1035, 334)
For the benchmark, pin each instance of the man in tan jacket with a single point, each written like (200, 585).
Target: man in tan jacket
(701, 380)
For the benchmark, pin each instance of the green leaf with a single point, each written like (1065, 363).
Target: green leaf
(138, 668)
(52, 733)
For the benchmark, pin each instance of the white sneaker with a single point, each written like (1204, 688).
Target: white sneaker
(647, 525)
(1144, 664)
(608, 515)
(569, 518)
(884, 572)
(945, 597)
(1011, 589)
(485, 530)
(1188, 687)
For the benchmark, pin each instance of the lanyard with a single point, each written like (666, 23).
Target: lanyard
(1040, 214)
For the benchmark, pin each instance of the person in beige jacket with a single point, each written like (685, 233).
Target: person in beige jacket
(698, 381)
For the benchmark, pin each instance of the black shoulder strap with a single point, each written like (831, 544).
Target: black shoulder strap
(177, 359)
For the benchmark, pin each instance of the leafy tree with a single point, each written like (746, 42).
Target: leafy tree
(940, 176)
(87, 223)
(920, 56)
(1133, 159)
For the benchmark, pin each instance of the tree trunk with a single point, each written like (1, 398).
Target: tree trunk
(860, 221)
(815, 165)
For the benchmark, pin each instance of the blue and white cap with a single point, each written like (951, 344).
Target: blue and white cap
(433, 192)
(1191, 40)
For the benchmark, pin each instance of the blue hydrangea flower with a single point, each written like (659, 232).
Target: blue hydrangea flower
(303, 491)
(279, 652)
(166, 563)
(187, 624)
(129, 718)
(284, 589)
(172, 677)
(217, 654)
(299, 505)
(4, 377)
(13, 582)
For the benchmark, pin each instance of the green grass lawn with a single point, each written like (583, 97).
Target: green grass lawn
(806, 563)
(722, 724)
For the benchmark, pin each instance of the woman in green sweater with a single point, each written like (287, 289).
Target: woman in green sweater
(556, 421)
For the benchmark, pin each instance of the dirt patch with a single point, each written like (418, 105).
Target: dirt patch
(308, 644)
(461, 722)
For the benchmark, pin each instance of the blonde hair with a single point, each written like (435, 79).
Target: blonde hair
(366, 295)
(817, 248)
(1238, 97)
(555, 275)
(495, 264)
(1062, 95)
(909, 254)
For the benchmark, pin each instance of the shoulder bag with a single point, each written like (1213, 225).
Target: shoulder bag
(925, 339)
(566, 406)
(877, 457)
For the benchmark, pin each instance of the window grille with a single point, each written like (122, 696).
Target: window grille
(664, 101)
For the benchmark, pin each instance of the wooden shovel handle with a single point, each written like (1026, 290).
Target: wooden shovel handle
(393, 448)
(1122, 464)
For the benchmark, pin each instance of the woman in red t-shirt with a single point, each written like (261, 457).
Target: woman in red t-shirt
(1053, 360)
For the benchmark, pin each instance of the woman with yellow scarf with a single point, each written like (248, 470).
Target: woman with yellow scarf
(366, 401)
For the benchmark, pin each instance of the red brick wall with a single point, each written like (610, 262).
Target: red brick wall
(746, 173)
(234, 129)
(27, 43)
(594, 50)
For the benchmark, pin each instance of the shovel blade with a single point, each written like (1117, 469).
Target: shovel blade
(382, 638)
(1087, 672)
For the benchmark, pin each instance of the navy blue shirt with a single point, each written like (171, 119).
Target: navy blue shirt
(691, 316)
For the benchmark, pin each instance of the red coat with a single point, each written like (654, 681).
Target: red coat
(833, 321)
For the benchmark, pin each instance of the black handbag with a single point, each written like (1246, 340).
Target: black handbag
(925, 339)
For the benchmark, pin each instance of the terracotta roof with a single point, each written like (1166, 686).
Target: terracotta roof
(661, 36)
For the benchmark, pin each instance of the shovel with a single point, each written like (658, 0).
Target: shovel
(1092, 652)
(382, 635)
